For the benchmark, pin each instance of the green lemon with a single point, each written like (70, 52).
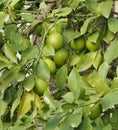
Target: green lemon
(91, 46)
(55, 40)
(51, 65)
(61, 57)
(40, 86)
(78, 44)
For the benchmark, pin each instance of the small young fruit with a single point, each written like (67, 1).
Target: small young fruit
(78, 44)
(61, 57)
(55, 29)
(51, 65)
(40, 86)
(91, 46)
(55, 40)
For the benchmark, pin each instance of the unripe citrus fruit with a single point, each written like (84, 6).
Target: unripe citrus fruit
(91, 46)
(55, 40)
(40, 86)
(78, 44)
(55, 29)
(61, 57)
(51, 65)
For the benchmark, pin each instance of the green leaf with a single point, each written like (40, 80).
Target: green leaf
(69, 97)
(111, 52)
(73, 82)
(110, 99)
(3, 16)
(10, 53)
(106, 7)
(95, 80)
(29, 54)
(114, 119)
(93, 37)
(29, 83)
(91, 5)
(86, 124)
(103, 70)
(11, 32)
(74, 4)
(61, 12)
(53, 122)
(48, 50)
(25, 103)
(98, 60)
(3, 107)
(28, 17)
(86, 61)
(61, 80)
(14, 106)
(114, 83)
(108, 36)
(48, 98)
(108, 127)
(84, 27)
(42, 70)
(113, 24)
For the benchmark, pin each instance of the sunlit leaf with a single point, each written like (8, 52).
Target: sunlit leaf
(3, 107)
(10, 53)
(3, 16)
(84, 27)
(49, 99)
(69, 97)
(113, 24)
(111, 52)
(109, 100)
(86, 61)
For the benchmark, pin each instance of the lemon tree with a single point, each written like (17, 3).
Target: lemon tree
(58, 65)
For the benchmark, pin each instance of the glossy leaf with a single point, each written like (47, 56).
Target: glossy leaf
(106, 7)
(69, 97)
(25, 103)
(3, 16)
(29, 54)
(86, 124)
(103, 71)
(98, 60)
(113, 24)
(62, 11)
(114, 83)
(14, 106)
(91, 5)
(10, 54)
(48, 98)
(86, 61)
(53, 122)
(42, 70)
(110, 99)
(111, 52)
(114, 119)
(61, 80)
(48, 50)
(3, 107)
(108, 36)
(73, 82)
(29, 83)
(84, 27)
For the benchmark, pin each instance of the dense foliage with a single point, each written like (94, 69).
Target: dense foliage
(58, 65)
